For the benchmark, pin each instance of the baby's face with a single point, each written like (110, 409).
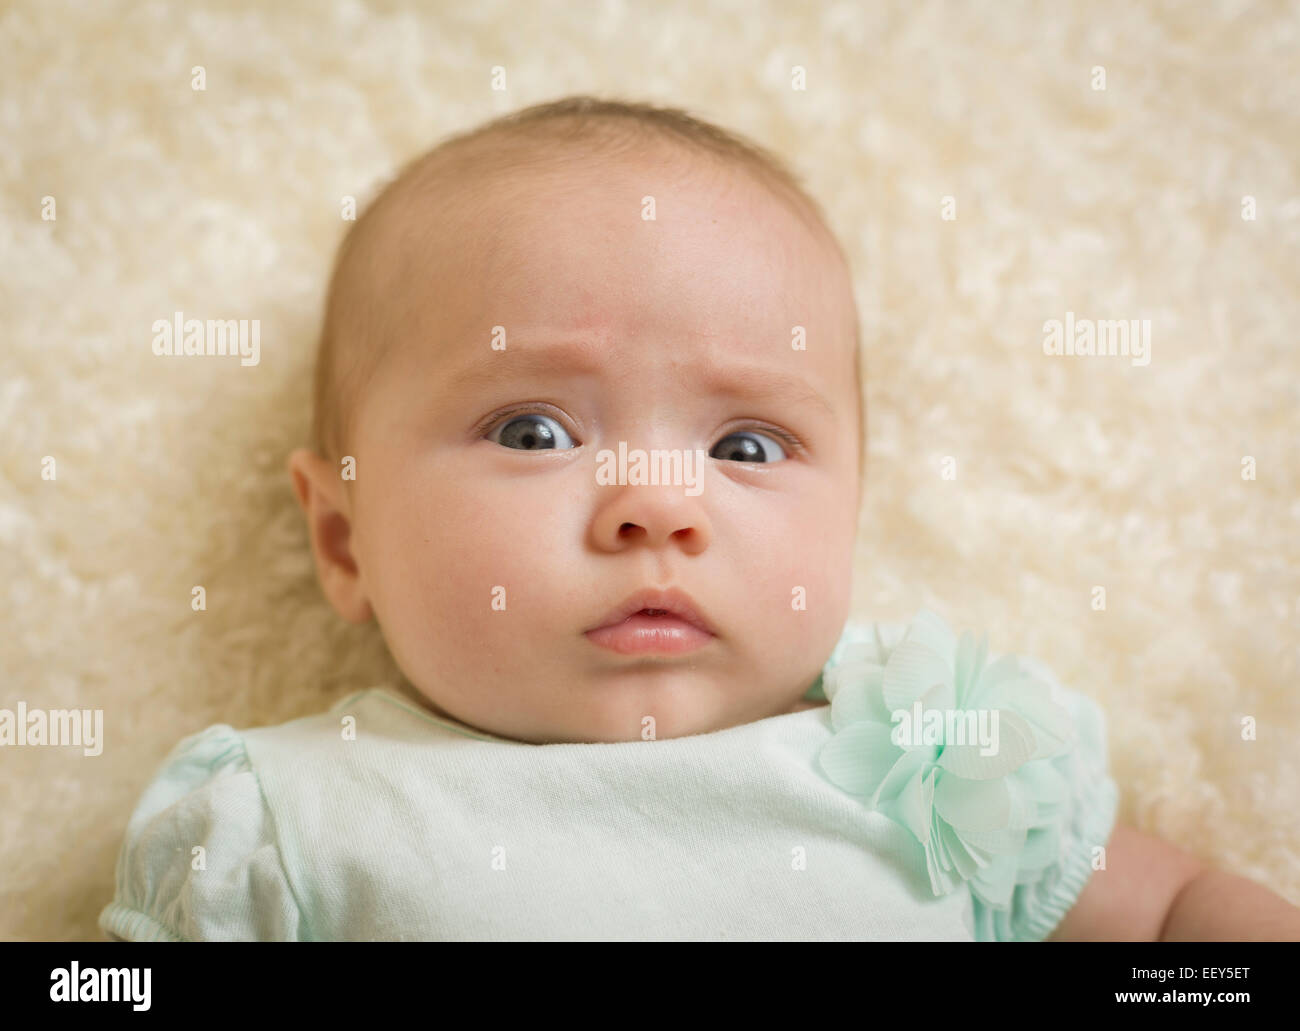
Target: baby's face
(488, 537)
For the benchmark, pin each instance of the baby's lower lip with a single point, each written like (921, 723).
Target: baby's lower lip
(641, 633)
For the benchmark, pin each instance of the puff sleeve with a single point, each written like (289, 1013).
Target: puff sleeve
(205, 795)
(998, 771)
(1073, 824)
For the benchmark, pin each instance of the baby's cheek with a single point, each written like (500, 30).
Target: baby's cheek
(806, 581)
(496, 566)
(418, 554)
(800, 559)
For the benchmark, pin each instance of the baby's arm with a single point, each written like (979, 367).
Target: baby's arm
(1152, 891)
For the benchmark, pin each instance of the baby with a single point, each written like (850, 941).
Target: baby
(589, 448)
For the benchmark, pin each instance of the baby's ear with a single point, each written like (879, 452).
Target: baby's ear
(319, 488)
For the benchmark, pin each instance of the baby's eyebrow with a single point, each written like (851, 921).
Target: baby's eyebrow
(564, 357)
(756, 383)
(579, 358)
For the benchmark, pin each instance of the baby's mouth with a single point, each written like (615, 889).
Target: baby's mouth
(650, 630)
(666, 622)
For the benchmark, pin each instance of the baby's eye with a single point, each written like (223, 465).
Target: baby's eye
(533, 432)
(747, 446)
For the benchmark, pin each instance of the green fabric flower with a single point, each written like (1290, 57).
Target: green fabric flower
(990, 820)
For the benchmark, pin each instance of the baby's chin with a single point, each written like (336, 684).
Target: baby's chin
(675, 719)
(620, 720)
(672, 707)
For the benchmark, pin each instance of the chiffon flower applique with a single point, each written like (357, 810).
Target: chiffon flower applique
(956, 751)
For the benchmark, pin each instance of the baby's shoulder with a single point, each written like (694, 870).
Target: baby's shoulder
(199, 859)
(208, 853)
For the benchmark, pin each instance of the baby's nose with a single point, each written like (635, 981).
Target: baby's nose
(653, 516)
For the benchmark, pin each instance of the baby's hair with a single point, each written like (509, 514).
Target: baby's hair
(578, 124)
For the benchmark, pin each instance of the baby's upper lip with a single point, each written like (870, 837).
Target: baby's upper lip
(671, 600)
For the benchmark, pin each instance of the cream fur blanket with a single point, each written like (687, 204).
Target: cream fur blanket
(1071, 473)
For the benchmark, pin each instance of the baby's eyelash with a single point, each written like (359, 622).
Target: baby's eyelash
(497, 418)
(782, 435)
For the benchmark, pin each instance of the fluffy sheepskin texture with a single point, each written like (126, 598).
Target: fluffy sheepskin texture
(1071, 472)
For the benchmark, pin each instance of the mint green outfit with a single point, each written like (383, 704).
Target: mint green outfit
(417, 828)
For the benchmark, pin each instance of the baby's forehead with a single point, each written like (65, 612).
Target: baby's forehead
(532, 223)
(466, 193)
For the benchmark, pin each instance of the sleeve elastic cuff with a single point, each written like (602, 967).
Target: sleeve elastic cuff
(133, 925)
(1101, 808)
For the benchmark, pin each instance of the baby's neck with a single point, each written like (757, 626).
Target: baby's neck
(803, 704)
